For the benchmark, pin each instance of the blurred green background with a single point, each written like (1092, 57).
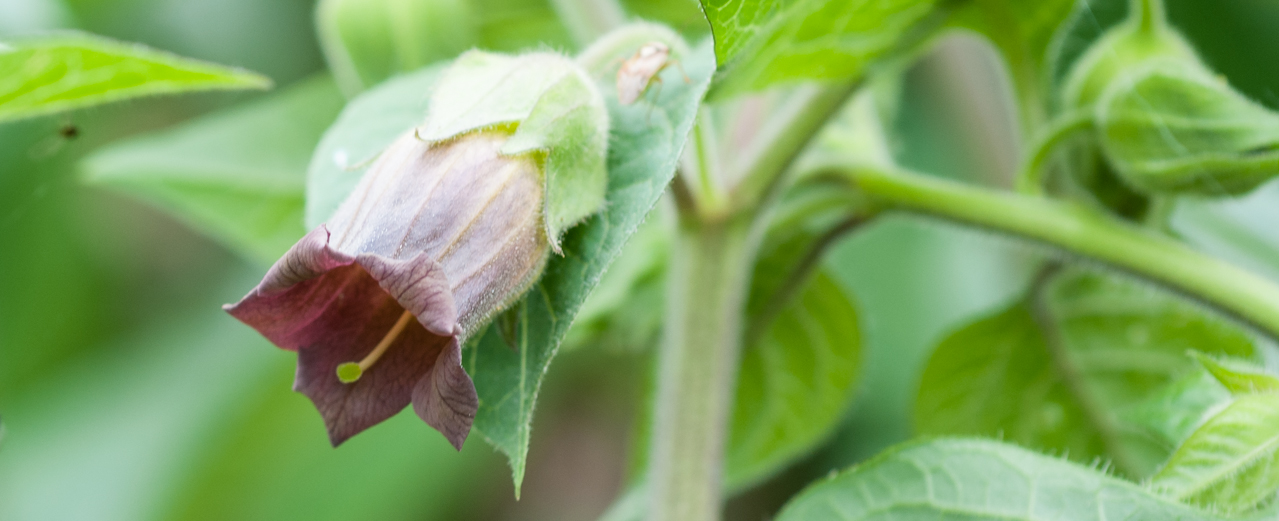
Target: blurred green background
(127, 394)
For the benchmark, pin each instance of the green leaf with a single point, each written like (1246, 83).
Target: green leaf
(624, 312)
(1238, 376)
(761, 43)
(65, 71)
(977, 480)
(796, 382)
(644, 147)
(366, 126)
(1231, 463)
(1068, 379)
(237, 175)
(368, 41)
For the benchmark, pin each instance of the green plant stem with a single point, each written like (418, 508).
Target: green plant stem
(1030, 176)
(697, 368)
(701, 172)
(783, 137)
(1075, 229)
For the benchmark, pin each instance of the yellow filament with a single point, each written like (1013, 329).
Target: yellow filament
(350, 372)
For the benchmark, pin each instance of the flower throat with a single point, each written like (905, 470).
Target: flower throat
(349, 372)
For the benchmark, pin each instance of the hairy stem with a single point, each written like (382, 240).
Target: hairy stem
(1074, 229)
(701, 174)
(782, 137)
(697, 368)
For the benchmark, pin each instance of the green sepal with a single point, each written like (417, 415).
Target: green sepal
(367, 41)
(1173, 127)
(555, 112)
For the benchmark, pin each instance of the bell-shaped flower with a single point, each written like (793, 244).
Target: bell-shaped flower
(452, 223)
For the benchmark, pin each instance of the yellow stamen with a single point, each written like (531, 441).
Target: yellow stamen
(350, 371)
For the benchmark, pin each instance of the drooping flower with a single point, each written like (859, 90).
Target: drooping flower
(452, 223)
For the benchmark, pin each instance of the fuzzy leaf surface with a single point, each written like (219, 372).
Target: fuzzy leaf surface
(1231, 463)
(761, 43)
(237, 175)
(974, 480)
(1077, 382)
(48, 74)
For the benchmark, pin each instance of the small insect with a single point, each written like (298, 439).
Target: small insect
(642, 69)
(69, 131)
(49, 146)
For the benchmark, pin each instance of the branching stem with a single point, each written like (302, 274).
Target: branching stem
(1030, 177)
(1070, 228)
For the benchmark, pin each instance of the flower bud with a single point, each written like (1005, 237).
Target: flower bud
(453, 222)
(1144, 36)
(1173, 127)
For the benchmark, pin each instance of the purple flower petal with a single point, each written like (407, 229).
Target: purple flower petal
(445, 398)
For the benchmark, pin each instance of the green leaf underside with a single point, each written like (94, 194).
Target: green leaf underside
(366, 126)
(71, 70)
(1231, 463)
(796, 382)
(763, 43)
(644, 146)
(237, 175)
(1120, 345)
(960, 479)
